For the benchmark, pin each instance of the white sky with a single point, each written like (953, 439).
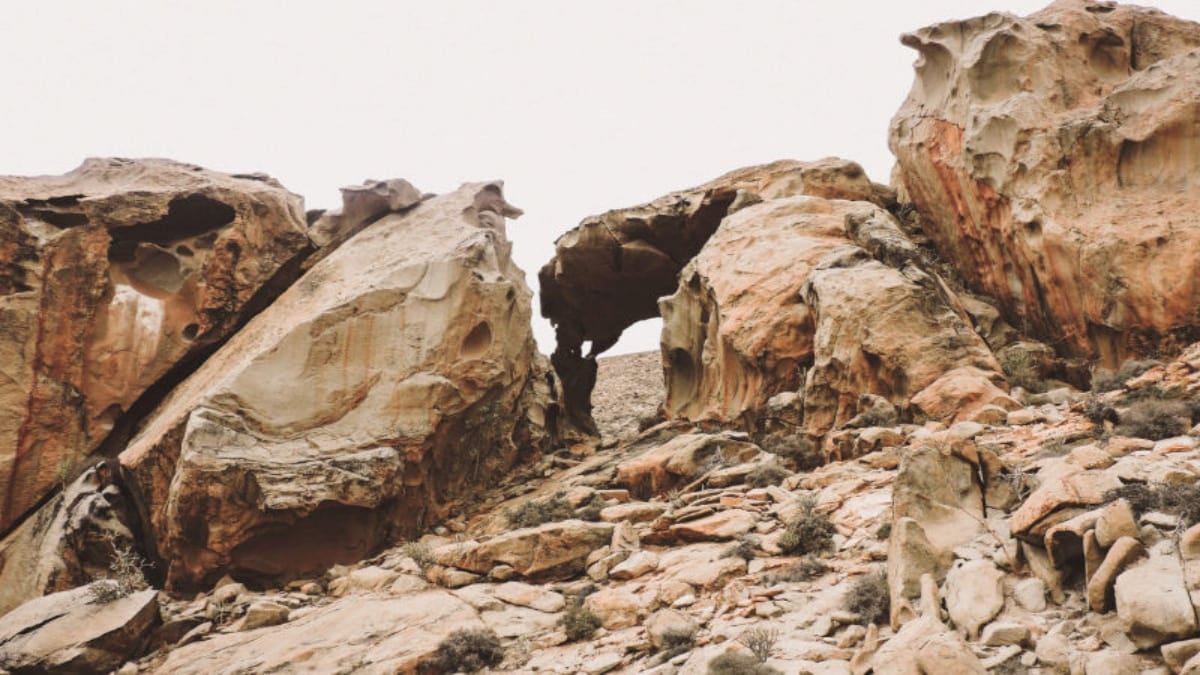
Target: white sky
(579, 106)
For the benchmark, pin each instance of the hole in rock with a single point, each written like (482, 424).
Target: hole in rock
(186, 217)
(477, 341)
(333, 534)
(190, 331)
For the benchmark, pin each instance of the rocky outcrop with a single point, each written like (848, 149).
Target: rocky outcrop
(1055, 160)
(610, 271)
(111, 276)
(77, 536)
(89, 629)
(396, 372)
(817, 296)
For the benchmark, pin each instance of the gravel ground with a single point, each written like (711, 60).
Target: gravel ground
(629, 387)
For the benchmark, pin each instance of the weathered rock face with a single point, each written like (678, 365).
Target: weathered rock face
(71, 540)
(110, 276)
(398, 370)
(610, 271)
(813, 295)
(1056, 160)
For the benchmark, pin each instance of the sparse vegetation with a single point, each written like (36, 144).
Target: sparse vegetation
(884, 531)
(1106, 380)
(868, 598)
(420, 552)
(1022, 370)
(764, 475)
(676, 641)
(1179, 499)
(796, 448)
(739, 663)
(591, 510)
(810, 532)
(760, 642)
(126, 573)
(1055, 447)
(579, 622)
(469, 650)
(1156, 419)
(805, 569)
(540, 511)
(744, 548)
(1098, 411)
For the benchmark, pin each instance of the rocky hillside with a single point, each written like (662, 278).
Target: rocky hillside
(947, 425)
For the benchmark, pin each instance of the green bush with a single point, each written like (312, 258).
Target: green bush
(469, 650)
(579, 622)
(540, 511)
(739, 663)
(868, 597)
(810, 532)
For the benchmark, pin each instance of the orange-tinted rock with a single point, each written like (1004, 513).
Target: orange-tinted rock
(398, 371)
(1056, 160)
(111, 276)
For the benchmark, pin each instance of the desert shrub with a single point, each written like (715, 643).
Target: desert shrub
(677, 641)
(810, 532)
(739, 663)
(868, 598)
(126, 573)
(420, 552)
(1098, 412)
(760, 642)
(1021, 367)
(795, 448)
(766, 474)
(591, 510)
(579, 622)
(805, 569)
(468, 650)
(540, 511)
(1156, 419)
(744, 548)
(884, 531)
(1055, 447)
(1180, 499)
(1107, 380)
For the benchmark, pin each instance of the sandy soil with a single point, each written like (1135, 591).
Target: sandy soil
(629, 387)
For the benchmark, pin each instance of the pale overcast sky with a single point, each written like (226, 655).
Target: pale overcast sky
(579, 107)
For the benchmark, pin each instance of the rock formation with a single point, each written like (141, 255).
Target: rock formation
(111, 276)
(398, 370)
(1055, 161)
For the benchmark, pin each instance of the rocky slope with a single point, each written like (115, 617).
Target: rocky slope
(883, 433)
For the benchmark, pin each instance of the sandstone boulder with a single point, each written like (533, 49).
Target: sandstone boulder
(548, 550)
(610, 270)
(362, 205)
(1153, 603)
(114, 277)
(77, 631)
(397, 371)
(1055, 159)
(786, 296)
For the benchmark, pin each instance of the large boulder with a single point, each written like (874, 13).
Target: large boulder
(90, 629)
(1056, 159)
(398, 371)
(115, 277)
(609, 271)
(815, 295)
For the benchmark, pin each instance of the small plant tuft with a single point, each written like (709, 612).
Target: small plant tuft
(540, 511)
(468, 650)
(591, 510)
(739, 663)
(810, 532)
(884, 531)
(579, 622)
(765, 475)
(744, 549)
(1156, 419)
(760, 642)
(676, 641)
(1107, 380)
(1022, 370)
(796, 448)
(126, 573)
(805, 569)
(1098, 411)
(420, 552)
(868, 597)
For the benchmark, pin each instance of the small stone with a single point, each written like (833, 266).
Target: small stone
(528, 595)
(1054, 650)
(851, 636)
(1000, 634)
(1189, 543)
(1030, 594)
(1163, 521)
(616, 608)
(264, 613)
(636, 565)
(227, 593)
(1106, 662)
